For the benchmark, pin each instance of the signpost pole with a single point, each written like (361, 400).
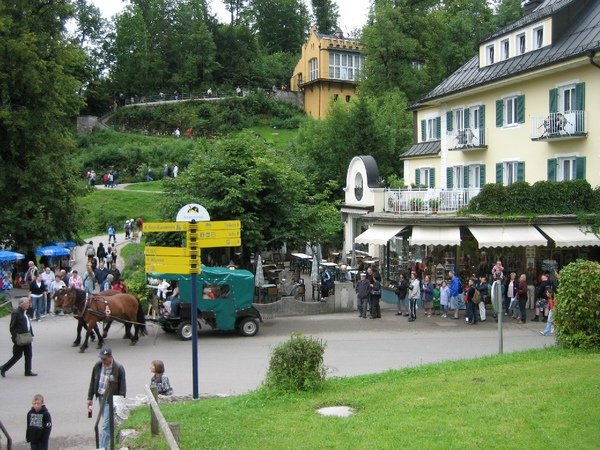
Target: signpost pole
(194, 294)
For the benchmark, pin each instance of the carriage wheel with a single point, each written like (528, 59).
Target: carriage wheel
(248, 326)
(184, 331)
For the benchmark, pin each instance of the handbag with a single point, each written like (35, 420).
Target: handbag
(24, 339)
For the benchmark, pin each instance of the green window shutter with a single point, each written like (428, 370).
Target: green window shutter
(432, 177)
(499, 113)
(580, 168)
(553, 99)
(580, 96)
(449, 178)
(482, 116)
(521, 109)
(552, 169)
(449, 120)
(438, 127)
(423, 131)
(417, 177)
(499, 173)
(467, 112)
(466, 176)
(521, 171)
(481, 175)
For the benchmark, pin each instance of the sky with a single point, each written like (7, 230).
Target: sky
(353, 13)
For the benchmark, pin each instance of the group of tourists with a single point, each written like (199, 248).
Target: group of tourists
(508, 294)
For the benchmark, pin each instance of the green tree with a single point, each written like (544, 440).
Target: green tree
(507, 12)
(325, 15)
(281, 25)
(236, 51)
(244, 178)
(38, 105)
(236, 9)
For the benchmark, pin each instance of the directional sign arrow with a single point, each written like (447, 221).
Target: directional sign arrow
(163, 227)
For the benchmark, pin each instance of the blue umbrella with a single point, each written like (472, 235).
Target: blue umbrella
(7, 256)
(52, 250)
(65, 244)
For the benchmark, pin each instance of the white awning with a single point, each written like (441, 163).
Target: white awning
(435, 236)
(508, 236)
(378, 234)
(570, 235)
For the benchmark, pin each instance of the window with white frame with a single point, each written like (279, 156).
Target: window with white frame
(345, 66)
(313, 65)
(474, 176)
(425, 177)
(489, 54)
(510, 172)
(459, 119)
(567, 98)
(520, 44)
(510, 111)
(504, 49)
(474, 117)
(457, 177)
(538, 38)
(431, 133)
(567, 168)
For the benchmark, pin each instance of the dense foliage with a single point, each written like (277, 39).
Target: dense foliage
(577, 314)
(208, 118)
(543, 197)
(297, 365)
(242, 174)
(38, 105)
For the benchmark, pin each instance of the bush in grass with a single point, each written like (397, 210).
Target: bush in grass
(297, 365)
(577, 314)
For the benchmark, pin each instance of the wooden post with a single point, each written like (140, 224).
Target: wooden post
(174, 426)
(154, 429)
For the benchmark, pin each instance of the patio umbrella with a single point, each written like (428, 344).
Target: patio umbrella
(52, 250)
(65, 244)
(8, 256)
(314, 270)
(259, 276)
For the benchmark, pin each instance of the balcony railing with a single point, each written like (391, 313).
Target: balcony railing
(428, 201)
(467, 139)
(559, 125)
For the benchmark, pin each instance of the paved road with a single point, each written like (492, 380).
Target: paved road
(229, 364)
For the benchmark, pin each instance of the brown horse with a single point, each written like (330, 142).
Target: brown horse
(96, 308)
(61, 298)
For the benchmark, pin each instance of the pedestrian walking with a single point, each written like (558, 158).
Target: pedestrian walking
(107, 380)
(21, 335)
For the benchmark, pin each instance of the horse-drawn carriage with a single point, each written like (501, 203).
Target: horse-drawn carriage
(224, 299)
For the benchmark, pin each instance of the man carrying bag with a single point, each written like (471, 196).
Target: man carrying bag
(22, 337)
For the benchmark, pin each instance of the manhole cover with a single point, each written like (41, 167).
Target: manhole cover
(336, 411)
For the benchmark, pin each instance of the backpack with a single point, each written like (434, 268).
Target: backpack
(476, 297)
(90, 251)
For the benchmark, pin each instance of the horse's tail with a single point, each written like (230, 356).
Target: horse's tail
(141, 318)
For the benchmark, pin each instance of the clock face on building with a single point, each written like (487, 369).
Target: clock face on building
(358, 187)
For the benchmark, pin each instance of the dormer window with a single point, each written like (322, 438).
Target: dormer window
(489, 54)
(504, 49)
(520, 43)
(538, 38)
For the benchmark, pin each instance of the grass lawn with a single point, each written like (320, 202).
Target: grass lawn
(113, 205)
(275, 136)
(535, 400)
(155, 186)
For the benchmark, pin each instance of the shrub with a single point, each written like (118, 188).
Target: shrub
(297, 365)
(577, 314)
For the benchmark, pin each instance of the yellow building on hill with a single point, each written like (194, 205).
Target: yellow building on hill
(327, 71)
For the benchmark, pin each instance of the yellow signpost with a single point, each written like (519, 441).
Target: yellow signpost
(164, 227)
(186, 260)
(166, 251)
